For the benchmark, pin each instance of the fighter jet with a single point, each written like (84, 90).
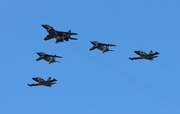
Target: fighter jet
(41, 81)
(49, 58)
(143, 55)
(59, 35)
(101, 46)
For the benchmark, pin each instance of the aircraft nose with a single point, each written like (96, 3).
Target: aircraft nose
(43, 25)
(34, 78)
(92, 42)
(38, 53)
(136, 52)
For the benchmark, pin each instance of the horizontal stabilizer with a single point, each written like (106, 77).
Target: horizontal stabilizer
(155, 56)
(107, 50)
(70, 33)
(57, 56)
(135, 58)
(54, 61)
(58, 61)
(111, 45)
(73, 38)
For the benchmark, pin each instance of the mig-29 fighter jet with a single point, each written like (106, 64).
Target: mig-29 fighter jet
(101, 46)
(59, 35)
(41, 81)
(143, 55)
(49, 58)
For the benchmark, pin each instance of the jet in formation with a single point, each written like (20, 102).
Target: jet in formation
(59, 35)
(49, 82)
(49, 58)
(101, 46)
(143, 55)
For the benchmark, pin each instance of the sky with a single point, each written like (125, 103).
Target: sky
(90, 82)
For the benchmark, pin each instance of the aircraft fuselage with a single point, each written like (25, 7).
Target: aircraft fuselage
(55, 34)
(103, 48)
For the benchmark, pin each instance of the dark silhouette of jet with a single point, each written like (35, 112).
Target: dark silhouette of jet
(101, 46)
(59, 35)
(49, 58)
(41, 81)
(143, 55)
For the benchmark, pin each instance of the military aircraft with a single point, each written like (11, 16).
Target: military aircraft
(143, 55)
(59, 35)
(41, 81)
(49, 58)
(101, 46)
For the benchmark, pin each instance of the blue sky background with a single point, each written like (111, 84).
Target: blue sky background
(90, 82)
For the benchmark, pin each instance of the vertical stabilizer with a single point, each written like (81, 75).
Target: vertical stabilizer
(49, 79)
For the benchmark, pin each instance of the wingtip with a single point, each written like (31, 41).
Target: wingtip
(54, 79)
(29, 85)
(45, 39)
(157, 52)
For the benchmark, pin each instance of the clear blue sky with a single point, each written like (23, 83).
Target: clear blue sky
(91, 82)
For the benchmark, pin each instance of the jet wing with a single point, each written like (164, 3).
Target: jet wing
(135, 58)
(48, 85)
(39, 84)
(106, 44)
(47, 59)
(55, 56)
(151, 57)
(102, 44)
(48, 55)
(37, 79)
(62, 32)
(92, 48)
(38, 58)
(48, 37)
